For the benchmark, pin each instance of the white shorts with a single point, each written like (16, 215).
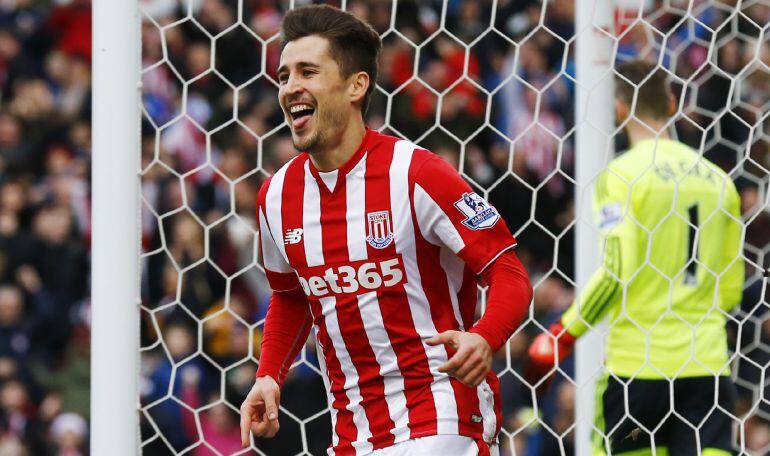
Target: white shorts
(445, 445)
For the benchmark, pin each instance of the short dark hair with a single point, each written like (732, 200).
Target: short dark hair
(650, 82)
(353, 43)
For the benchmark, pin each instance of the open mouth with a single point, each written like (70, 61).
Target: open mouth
(300, 114)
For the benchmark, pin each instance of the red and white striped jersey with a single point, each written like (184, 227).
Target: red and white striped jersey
(387, 249)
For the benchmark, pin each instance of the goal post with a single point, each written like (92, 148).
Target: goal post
(115, 228)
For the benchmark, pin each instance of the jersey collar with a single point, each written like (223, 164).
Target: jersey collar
(343, 170)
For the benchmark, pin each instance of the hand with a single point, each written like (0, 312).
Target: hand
(544, 350)
(472, 359)
(259, 411)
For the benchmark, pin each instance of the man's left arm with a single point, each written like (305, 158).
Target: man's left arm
(510, 294)
(732, 274)
(449, 213)
(508, 299)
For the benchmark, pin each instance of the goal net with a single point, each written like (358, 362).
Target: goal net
(491, 86)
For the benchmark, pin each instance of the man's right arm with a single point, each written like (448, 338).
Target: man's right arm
(604, 290)
(288, 320)
(287, 326)
(620, 234)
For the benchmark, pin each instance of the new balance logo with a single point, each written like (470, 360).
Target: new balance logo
(293, 236)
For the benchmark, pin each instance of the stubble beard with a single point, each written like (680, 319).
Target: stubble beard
(317, 140)
(310, 144)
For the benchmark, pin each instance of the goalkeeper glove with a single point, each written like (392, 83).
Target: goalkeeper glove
(544, 350)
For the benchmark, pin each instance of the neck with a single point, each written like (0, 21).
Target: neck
(640, 130)
(335, 154)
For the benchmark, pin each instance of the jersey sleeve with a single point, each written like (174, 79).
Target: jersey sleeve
(449, 212)
(619, 235)
(279, 273)
(731, 280)
(287, 326)
(510, 294)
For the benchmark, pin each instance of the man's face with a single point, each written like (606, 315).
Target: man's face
(312, 93)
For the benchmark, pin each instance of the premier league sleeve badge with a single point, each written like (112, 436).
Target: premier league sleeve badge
(479, 215)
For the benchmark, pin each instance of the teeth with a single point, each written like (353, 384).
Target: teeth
(301, 107)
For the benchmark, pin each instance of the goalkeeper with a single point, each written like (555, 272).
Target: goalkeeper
(672, 269)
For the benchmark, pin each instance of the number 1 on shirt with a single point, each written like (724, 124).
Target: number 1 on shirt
(691, 274)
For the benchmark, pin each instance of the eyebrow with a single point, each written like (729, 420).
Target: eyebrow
(283, 68)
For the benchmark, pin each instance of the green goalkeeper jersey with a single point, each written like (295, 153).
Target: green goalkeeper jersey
(671, 247)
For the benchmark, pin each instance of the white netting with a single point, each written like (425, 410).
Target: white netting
(488, 85)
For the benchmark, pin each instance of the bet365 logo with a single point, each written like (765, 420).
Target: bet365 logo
(356, 277)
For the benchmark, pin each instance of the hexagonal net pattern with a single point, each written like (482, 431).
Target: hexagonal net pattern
(489, 86)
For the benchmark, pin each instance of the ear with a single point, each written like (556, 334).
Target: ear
(621, 111)
(671, 111)
(359, 84)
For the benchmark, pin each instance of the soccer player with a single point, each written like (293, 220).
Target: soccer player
(377, 244)
(671, 271)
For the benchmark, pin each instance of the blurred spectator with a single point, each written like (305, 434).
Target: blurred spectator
(219, 426)
(68, 379)
(16, 156)
(168, 377)
(758, 433)
(70, 24)
(14, 337)
(538, 133)
(69, 432)
(17, 416)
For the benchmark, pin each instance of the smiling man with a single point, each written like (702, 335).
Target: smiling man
(377, 245)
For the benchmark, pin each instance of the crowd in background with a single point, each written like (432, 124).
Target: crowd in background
(45, 61)
(201, 290)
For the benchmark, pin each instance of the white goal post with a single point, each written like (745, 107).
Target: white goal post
(115, 221)
(595, 123)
